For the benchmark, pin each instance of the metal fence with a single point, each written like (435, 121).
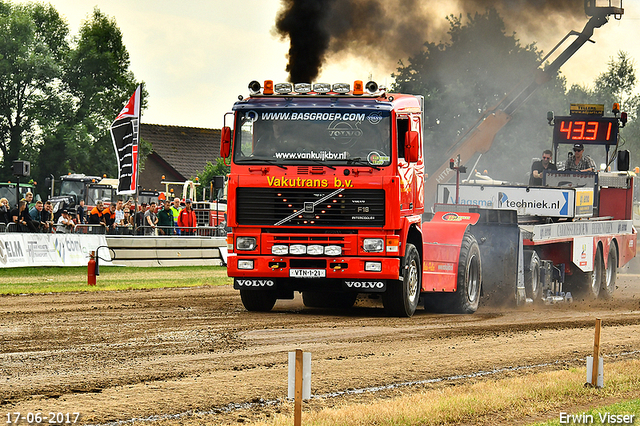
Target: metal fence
(100, 229)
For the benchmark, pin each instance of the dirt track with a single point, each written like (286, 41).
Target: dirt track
(115, 356)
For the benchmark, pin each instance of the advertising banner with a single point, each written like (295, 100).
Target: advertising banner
(20, 250)
(581, 228)
(532, 201)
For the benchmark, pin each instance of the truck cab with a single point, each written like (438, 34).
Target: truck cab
(75, 187)
(325, 195)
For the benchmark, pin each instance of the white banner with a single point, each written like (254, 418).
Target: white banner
(534, 201)
(17, 249)
(582, 228)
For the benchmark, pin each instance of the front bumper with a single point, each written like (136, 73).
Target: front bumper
(345, 273)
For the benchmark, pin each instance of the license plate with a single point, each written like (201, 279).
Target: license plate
(307, 273)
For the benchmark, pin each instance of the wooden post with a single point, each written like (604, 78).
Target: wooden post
(297, 412)
(596, 354)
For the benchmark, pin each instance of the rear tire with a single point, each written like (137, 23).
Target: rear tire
(532, 285)
(586, 285)
(467, 296)
(401, 297)
(610, 273)
(258, 300)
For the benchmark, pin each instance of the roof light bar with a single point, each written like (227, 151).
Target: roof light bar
(302, 88)
(283, 88)
(322, 87)
(341, 87)
(371, 88)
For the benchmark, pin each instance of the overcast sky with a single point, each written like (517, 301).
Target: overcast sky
(197, 56)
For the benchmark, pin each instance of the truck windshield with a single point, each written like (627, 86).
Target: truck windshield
(98, 193)
(336, 136)
(9, 193)
(68, 187)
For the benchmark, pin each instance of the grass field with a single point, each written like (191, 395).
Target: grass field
(523, 400)
(55, 279)
(603, 415)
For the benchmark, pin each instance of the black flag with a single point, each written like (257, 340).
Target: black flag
(125, 133)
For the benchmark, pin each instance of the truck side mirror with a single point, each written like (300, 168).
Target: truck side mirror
(225, 142)
(412, 146)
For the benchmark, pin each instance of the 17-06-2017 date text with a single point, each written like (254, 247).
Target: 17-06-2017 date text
(42, 418)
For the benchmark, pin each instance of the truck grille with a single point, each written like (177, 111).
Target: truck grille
(202, 216)
(301, 207)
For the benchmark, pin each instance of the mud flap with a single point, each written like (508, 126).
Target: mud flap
(521, 295)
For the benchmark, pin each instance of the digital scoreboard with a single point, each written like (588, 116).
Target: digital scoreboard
(586, 130)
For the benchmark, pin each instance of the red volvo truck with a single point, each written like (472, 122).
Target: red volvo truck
(326, 196)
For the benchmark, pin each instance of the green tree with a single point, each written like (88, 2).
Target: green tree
(471, 72)
(210, 170)
(32, 46)
(616, 84)
(58, 97)
(99, 82)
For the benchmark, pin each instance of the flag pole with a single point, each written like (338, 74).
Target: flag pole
(139, 113)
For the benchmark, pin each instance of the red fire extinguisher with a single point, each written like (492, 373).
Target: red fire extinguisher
(91, 269)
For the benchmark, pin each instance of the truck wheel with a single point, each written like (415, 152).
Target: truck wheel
(532, 286)
(315, 299)
(258, 300)
(586, 285)
(401, 297)
(610, 273)
(467, 296)
(596, 278)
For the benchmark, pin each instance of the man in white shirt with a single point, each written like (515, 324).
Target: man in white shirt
(64, 224)
(119, 214)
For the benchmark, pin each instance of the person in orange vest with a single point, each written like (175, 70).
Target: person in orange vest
(187, 219)
(95, 216)
(109, 218)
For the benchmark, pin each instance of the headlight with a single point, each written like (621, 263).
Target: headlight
(333, 250)
(245, 264)
(298, 249)
(315, 250)
(373, 245)
(245, 243)
(279, 249)
(373, 266)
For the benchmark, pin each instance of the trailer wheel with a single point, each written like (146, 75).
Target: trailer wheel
(587, 285)
(401, 297)
(610, 273)
(596, 277)
(258, 300)
(329, 300)
(532, 286)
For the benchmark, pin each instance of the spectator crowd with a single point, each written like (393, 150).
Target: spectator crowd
(120, 218)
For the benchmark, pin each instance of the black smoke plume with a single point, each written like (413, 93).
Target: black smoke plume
(395, 29)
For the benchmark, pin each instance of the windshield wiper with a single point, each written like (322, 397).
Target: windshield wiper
(359, 160)
(317, 161)
(256, 160)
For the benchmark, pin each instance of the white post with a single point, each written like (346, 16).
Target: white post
(595, 364)
(299, 383)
